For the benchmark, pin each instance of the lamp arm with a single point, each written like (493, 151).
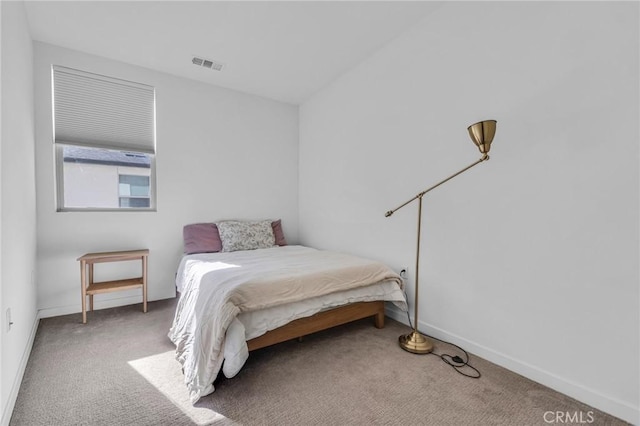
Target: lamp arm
(484, 157)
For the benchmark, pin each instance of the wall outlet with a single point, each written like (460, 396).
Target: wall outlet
(9, 322)
(404, 272)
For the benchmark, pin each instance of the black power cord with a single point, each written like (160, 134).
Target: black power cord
(456, 362)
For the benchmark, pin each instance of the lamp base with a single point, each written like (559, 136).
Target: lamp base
(416, 343)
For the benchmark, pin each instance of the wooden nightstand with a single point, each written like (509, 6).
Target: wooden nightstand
(89, 288)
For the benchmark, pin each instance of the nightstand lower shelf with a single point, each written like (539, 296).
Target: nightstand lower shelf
(117, 285)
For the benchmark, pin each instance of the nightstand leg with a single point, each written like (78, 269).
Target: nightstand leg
(144, 283)
(83, 285)
(91, 283)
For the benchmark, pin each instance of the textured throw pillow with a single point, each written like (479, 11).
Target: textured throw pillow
(201, 238)
(237, 235)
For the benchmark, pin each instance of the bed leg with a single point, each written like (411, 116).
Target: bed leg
(379, 320)
(300, 339)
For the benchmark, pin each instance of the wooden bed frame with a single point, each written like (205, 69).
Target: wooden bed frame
(321, 321)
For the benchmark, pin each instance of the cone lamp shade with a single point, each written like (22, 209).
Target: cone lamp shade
(482, 134)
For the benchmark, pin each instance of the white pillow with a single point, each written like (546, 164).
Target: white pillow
(251, 235)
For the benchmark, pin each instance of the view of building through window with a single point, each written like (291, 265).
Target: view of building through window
(134, 191)
(108, 179)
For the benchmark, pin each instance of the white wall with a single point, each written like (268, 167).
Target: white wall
(530, 260)
(2, 321)
(220, 154)
(18, 202)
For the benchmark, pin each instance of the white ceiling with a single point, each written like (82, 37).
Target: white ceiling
(281, 50)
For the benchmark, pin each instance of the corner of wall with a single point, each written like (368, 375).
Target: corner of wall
(7, 410)
(17, 202)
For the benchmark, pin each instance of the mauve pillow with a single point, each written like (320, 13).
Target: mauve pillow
(201, 238)
(278, 233)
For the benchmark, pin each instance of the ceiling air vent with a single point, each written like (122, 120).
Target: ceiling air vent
(207, 63)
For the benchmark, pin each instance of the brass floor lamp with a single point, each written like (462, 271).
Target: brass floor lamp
(482, 135)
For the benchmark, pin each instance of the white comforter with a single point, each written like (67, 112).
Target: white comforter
(266, 288)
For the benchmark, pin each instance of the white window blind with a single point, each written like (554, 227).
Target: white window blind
(102, 112)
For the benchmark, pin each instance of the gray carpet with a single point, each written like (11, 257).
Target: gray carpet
(119, 369)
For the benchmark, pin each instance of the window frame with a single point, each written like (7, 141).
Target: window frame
(86, 110)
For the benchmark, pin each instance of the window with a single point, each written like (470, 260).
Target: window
(103, 179)
(104, 136)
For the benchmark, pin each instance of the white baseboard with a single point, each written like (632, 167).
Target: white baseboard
(57, 311)
(613, 406)
(15, 387)
(113, 302)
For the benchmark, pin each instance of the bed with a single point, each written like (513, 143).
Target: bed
(241, 299)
